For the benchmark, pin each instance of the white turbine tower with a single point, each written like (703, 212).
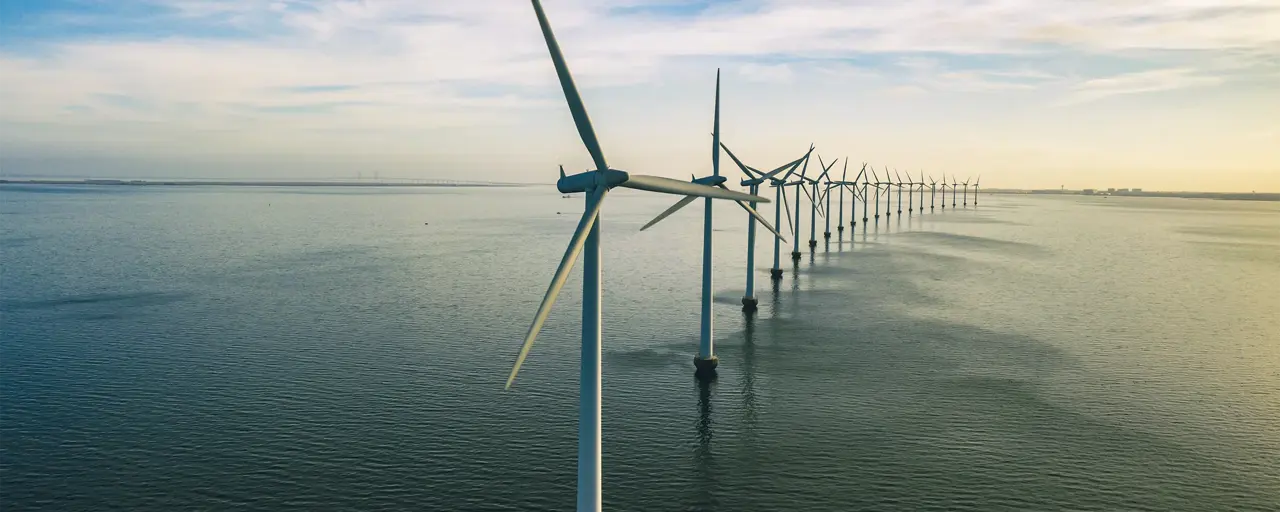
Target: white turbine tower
(976, 185)
(705, 362)
(749, 301)
(586, 241)
(814, 199)
(853, 194)
(921, 190)
(933, 192)
(795, 233)
(781, 206)
(826, 234)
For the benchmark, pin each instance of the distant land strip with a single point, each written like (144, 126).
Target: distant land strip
(257, 183)
(1235, 196)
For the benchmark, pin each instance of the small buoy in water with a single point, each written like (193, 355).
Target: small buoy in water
(426, 223)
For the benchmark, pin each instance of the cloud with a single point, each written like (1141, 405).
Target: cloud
(1138, 82)
(778, 73)
(905, 91)
(334, 75)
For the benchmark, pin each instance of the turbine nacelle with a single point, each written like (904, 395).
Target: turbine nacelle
(713, 181)
(590, 180)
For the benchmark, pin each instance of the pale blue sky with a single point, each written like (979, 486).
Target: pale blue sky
(1168, 94)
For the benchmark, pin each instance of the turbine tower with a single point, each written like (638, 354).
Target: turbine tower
(911, 188)
(933, 192)
(799, 184)
(844, 175)
(586, 241)
(749, 301)
(922, 191)
(866, 182)
(895, 171)
(814, 199)
(705, 362)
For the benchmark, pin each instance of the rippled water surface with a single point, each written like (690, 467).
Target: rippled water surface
(309, 349)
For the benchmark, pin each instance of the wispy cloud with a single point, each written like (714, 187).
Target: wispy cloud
(249, 69)
(1138, 82)
(779, 73)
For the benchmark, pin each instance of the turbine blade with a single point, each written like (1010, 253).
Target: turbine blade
(557, 280)
(811, 200)
(579, 111)
(684, 188)
(781, 168)
(561, 172)
(679, 204)
(757, 216)
(736, 161)
(826, 169)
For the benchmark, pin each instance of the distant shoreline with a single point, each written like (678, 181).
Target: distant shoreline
(1234, 196)
(167, 183)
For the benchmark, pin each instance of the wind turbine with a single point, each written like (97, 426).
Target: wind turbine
(749, 301)
(976, 184)
(933, 191)
(706, 361)
(966, 192)
(944, 191)
(814, 199)
(922, 191)
(895, 171)
(780, 206)
(853, 195)
(954, 183)
(826, 192)
(877, 184)
(911, 188)
(586, 241)
(844, 175)
(865, 183)
(799, 184)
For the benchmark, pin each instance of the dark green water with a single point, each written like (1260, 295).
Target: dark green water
(301, 349)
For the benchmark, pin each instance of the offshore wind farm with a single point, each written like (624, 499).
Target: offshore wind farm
(490, 343)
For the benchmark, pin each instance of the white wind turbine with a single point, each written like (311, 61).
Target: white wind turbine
(921, 190)
(814, 199)
(853, 195)
(705, 362)
(586, 241)
(749, 301)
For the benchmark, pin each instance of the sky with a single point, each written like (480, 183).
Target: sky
(1158, 94)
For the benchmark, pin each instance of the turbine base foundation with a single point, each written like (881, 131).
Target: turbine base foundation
(749, 304)
(795, 255)
(775, 273)
(841, 229)
(812, 244)
(705, 369)
(827, 235)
